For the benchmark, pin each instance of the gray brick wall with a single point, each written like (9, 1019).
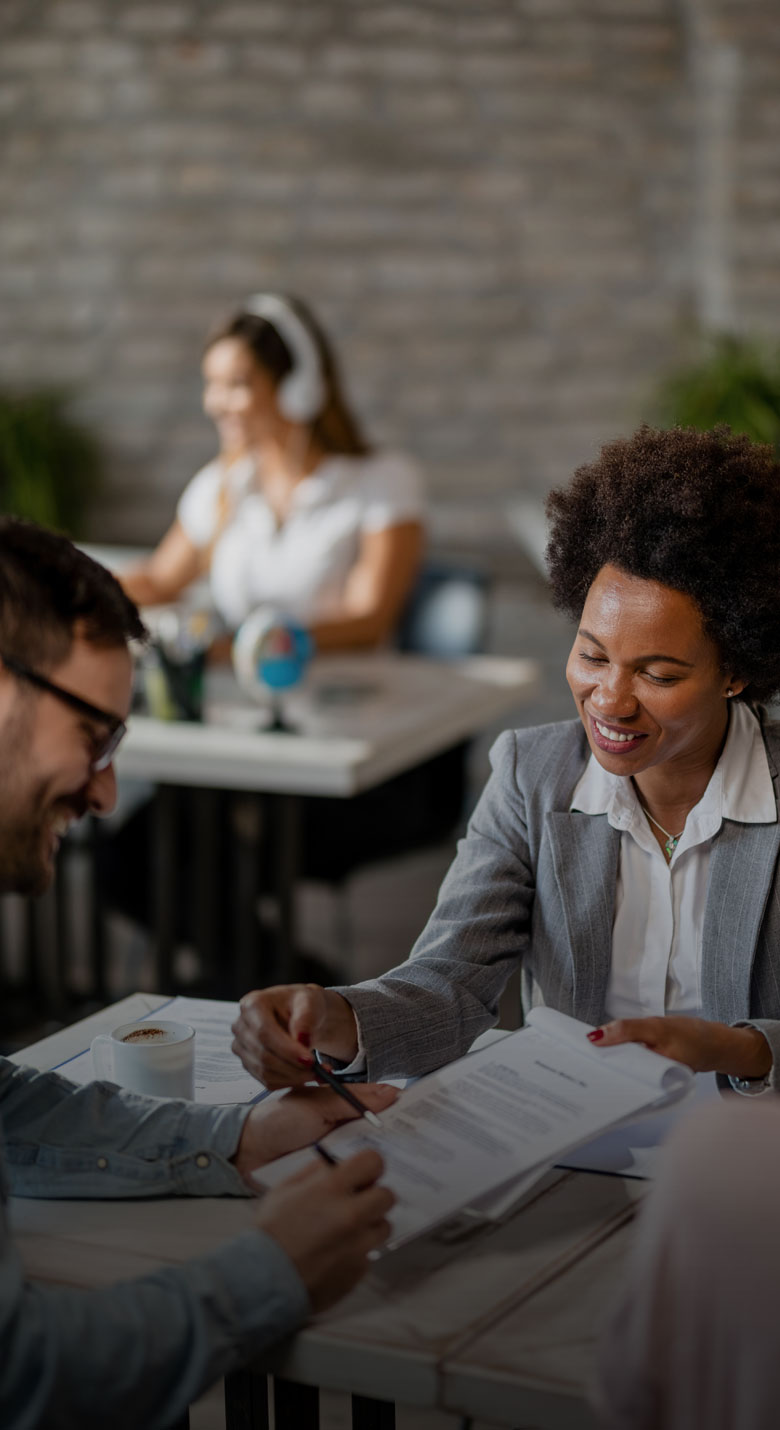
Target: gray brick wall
(505, 212)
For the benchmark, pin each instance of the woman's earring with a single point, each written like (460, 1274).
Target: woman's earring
(729, 691)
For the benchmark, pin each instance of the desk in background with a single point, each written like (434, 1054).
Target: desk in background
(358, 721)
(502, 1326)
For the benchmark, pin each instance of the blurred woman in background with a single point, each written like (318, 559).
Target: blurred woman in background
(296, 512)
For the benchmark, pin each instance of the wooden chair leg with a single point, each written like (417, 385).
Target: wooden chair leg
(246, 1401)
(368, 1414)
(296, 1407)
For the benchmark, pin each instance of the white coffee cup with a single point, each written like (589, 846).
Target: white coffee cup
(152, 1056)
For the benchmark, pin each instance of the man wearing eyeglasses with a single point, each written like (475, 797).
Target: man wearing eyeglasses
(138, 1353)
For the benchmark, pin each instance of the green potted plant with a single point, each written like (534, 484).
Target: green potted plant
(50, 466)
(736, 381)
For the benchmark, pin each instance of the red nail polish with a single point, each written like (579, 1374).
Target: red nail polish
(596, 1035)
(306, 1062)
(304, 1039)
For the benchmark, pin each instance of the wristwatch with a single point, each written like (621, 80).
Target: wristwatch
(751, 1085)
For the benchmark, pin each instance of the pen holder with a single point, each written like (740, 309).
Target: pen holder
(184, 682)
(172, 666)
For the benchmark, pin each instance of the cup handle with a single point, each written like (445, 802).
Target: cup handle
(102, 1057)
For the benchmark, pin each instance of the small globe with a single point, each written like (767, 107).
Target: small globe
(271, 650)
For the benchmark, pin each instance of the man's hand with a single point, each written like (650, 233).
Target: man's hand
(328, 1219)
(277, 1027)
(284, 1124)
(703, 1046)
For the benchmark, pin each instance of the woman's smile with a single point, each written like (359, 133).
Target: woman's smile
(613, 739)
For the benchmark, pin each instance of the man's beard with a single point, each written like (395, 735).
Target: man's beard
(26, 814)
(24, 866)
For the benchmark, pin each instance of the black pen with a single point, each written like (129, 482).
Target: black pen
(338, 1086)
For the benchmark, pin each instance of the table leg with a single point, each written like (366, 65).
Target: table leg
(63, 965)
(286, 835)
(246, 1401)
(370, 1414)
(32, 953)
(165, 884)
(206, 812)
(248, 833)
(296, 1407)
(97, 931)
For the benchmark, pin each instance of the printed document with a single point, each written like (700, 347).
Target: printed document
(499, 1114)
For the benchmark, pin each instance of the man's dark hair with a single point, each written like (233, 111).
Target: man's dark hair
(698, 512)
(48, 588)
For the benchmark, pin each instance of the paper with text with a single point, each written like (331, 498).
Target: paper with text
(499, 1114)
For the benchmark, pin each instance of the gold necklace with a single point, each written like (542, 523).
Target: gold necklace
(672, 840)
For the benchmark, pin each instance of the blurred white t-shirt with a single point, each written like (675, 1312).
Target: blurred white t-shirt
(300, 567)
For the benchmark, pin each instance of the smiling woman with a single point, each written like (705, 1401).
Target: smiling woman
(627, 859)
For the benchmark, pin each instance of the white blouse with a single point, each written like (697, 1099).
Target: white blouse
(659, 907)
(300, 567)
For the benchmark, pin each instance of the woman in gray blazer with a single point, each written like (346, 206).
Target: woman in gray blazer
(626, 859)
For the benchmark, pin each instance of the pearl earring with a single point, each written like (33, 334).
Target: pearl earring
(729, 691)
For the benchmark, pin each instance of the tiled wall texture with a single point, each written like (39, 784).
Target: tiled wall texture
(510, 214)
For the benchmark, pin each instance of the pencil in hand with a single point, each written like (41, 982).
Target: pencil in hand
(326, 1076)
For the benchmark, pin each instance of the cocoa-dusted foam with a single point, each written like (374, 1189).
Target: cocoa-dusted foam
(147, 1035)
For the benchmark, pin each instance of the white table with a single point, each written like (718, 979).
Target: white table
(359, 720)
(502, 1326)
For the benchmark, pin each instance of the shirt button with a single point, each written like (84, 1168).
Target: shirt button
(202, 1160)
(102, 1163)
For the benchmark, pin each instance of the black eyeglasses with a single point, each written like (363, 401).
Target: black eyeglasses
(106, 748)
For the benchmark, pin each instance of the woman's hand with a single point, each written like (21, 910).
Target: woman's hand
(375, 589)
(702, 1045)
(162, 577)
(280, 1125)
(277, 1027)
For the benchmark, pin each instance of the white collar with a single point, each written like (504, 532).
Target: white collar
(740, 788)
(320, 486)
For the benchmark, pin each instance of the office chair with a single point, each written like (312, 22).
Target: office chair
(446, 614)
(445, 617)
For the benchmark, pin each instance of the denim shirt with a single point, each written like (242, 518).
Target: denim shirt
(140, 1352)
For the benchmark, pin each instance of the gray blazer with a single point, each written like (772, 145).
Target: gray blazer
(535, 884)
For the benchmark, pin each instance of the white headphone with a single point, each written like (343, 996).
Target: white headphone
(302, 393)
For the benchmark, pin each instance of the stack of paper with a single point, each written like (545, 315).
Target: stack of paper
(471, 1130)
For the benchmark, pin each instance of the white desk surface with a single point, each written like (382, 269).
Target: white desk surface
(402, 709)
(532, 1364)
(502, 1326)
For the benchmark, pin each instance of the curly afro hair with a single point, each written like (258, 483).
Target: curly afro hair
(696, 511)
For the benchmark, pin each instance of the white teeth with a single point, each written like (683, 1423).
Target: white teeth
(612, 734)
